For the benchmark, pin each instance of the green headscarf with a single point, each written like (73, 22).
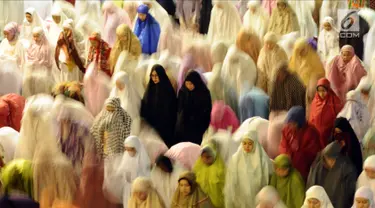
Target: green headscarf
(211, 178)
(18, 174)
(291, 188)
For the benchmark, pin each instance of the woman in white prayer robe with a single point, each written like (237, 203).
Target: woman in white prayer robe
(304, 10)
(55, 25)
(225, 22)
(37, 77)
(328, 41)
(43, 7)
(12, 59)
(256, 18)
(32, 20)
(330, 8)
(121, 170)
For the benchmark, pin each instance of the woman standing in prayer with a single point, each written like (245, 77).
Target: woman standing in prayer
(124, 88)
(11, 108)
(364, 197)
(269, 197)
(67, 55)
(345, 71)
(287, 90)
(122, 170)
(256, 19)
(316, 196)
(330, 8)
(300, 140)
(210, 172)
(336, 174)
(223, 117)
(225, 21)
(111, 127)
(144, 195)
(37, 77)
(17, 176)
(99, 52)
(32, 20)
(189, 193)
(164, 175)
(159, 101)
(367, 177)
(328, 41)
(270, 55)
(193, 110)
(147, 29)
(126, 41)
(357, 113)
(288, 182)
(248, 172)
(56, 25)
(113, 17)
(324, 109)
(283, 19)
(350, 146)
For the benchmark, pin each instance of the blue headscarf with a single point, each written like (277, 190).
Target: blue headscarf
(254, 103)
(296, 114)
(147, 31)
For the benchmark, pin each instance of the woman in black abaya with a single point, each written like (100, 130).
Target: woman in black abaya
(194, 109)
(159, 104)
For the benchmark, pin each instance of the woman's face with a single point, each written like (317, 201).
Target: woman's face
(56, 19)
(327, 26)
(67, 31)
(253, 9)
(247, 145)
(346, 56)
(207, 158)
(270, 45)
(370, 173)
(131, 151)
(36, 37)
(142, 196)
(282, 172)
(155, 77)
(322, 92)
(123, 38)
(329, 162)
(189, 85)
(29, 17)
(120, 85)
(361, 202)
(8, 36)
(185, 187)
(281, 5)
(142, 17)
(313, 203)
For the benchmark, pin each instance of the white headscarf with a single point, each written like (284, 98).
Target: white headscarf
(27, 27)
(317, 192)
(328, 41)
(357, 113)
(247, 173)
(364, 192)
(258, 21)
(303, 10)
(363, 179)
(8, 143)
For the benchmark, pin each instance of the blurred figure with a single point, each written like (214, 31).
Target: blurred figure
(268, 197)
(283, 19)
(223, 117)
(99, 53)
(185, 153)
(366, 179)
(32, 20)
(256, 19)
(144, 195)
(8, 142)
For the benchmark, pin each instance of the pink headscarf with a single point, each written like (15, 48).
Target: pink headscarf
(12, 28)
(40, 52)
(185, 153)
(222, 117)
(345, 76)
(113, 17)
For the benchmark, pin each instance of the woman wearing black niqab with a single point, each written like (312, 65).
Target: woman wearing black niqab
(345, 136)
(194, 109)
(159, 105)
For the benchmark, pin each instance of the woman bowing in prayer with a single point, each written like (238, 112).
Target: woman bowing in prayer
(344, 134)
(144, 195)
(248, 172)
(283, 19)
(193, 109)
(288, 182)
(147, 29)
(328, 41)
(32, 20)
(324, 109)
(364, 197)
(223, 117)
(159, 101)
(316, 196)
(189, 193)
(300, 140)
(345, 71)
(336, 174)
(37, 77)
(210, 172)
(67, 54)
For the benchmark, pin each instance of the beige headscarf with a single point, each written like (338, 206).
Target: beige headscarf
(249, 43)
(283, 21)
(142, 184)
(130, 44)
(268, 59)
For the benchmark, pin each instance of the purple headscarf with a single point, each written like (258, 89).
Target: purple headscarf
(12, 28)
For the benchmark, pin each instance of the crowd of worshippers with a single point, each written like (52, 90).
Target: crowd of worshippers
(187, 104)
